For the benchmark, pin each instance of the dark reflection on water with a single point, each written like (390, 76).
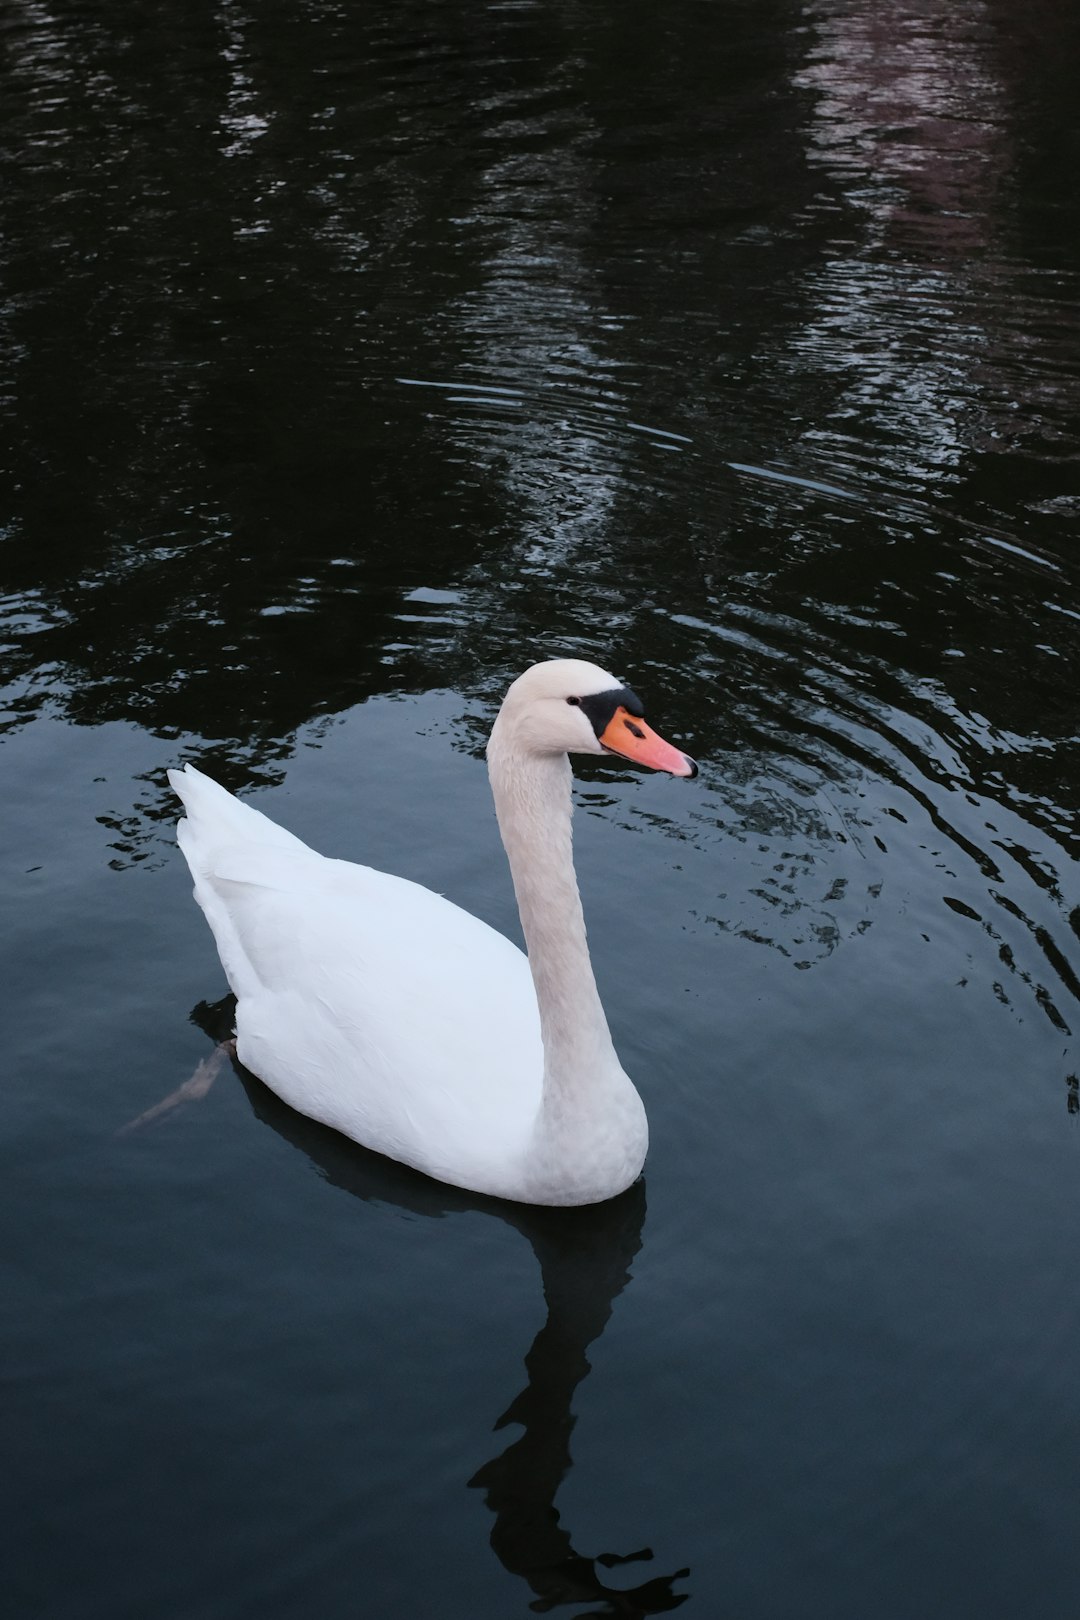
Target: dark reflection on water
(585, 1257)
(352, 357)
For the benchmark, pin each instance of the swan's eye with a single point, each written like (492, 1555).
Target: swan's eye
(575, 701)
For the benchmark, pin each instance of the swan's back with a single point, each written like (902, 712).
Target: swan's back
(365, 1000)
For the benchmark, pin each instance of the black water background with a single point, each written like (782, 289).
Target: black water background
(351, 359)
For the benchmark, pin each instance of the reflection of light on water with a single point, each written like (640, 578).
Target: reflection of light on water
(793, 478)
(241, 122)
(939, 348)
(537, 321)
(911, 118)
(915, 112)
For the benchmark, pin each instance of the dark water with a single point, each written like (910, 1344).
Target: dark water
(352, 358)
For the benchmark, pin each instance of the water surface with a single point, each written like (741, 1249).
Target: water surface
(352, 359)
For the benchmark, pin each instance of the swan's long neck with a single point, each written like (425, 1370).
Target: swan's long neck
(533, 803)
(590, 1135)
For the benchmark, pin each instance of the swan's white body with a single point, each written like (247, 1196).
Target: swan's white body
(381, 1009)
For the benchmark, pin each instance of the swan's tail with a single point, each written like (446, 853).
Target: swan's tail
(228, 844)
(215, 817)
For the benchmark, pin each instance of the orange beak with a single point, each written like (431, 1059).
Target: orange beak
(625, 734)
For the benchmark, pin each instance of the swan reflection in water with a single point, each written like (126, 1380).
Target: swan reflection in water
(585, 1256)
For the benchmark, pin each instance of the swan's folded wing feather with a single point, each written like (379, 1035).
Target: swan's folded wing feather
(373, 1004)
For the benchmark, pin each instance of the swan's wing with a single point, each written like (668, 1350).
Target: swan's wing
(367, 1001)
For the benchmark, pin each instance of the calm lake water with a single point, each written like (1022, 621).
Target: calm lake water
(353, 358)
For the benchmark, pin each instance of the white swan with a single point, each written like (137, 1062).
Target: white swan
(387, 1012)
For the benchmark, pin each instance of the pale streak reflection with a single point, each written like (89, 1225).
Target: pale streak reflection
(244, 119)
(535, 321)
(909, 118)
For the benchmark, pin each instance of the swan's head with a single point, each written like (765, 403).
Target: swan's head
(566, 706)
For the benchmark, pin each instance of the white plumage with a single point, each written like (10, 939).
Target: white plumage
(385, 1011)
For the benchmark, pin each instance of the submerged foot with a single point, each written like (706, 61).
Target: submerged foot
(198, 1085)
